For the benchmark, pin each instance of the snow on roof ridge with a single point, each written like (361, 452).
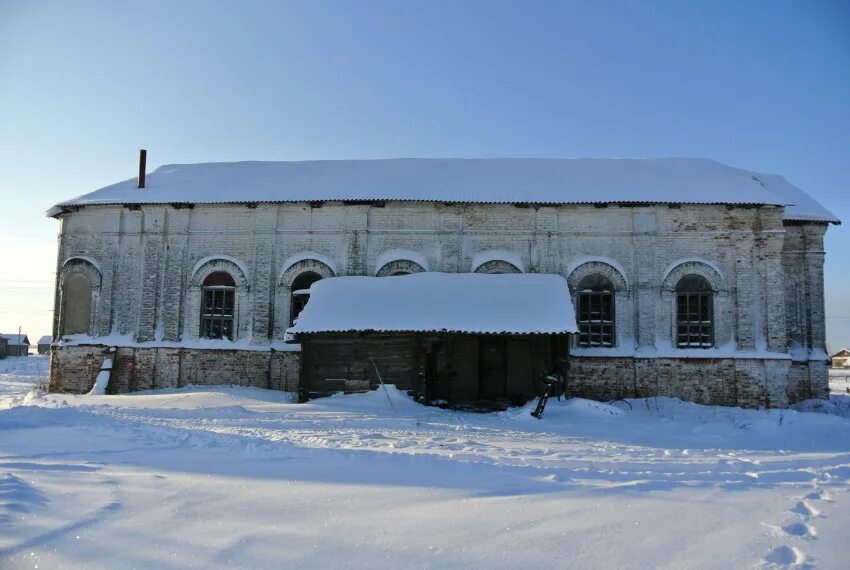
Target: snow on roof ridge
(686, 180)
(17, 338)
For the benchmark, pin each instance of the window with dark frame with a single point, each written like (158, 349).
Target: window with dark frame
(694, 313)
(301, 293)
(596, 312)
(217, 306)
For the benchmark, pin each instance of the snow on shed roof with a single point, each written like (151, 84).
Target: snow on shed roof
(440, 302)
(15, 339)
(475, 180)
(46, 339)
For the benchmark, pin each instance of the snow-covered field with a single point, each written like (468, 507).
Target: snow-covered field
(236, 477)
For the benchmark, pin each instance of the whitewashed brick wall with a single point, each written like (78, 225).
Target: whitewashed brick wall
(772, 272)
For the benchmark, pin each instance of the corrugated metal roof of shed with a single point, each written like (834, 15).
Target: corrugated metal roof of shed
(433, 302)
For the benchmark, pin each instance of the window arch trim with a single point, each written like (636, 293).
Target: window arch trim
(195, 312)
(497, 266)
(497, 261)
(603, 317)
(399, 266)
(90, 269)
(596, 310)
(84, 264)
(698, 318)
(224, 263)
(607, 270)
(705, 269)
(290, 272)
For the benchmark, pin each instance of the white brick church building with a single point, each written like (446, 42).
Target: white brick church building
(688, 278)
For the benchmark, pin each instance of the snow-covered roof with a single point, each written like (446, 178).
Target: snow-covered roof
(798, 205)
(46, 339)
(476, 180)
(15, 339)
(440, 302)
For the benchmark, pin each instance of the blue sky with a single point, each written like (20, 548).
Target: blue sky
(84, 85)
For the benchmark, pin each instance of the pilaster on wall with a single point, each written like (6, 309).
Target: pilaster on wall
(450, 236)
(265, 222)
(174, 275)
(813, 261)
(153, 224)
(546, 254)
(61, 255)
(126, 291)
(776, 383)
(356, 227)
(645, 279)
(746, 288)
(794, 269)
(769, 242)
(109, 243)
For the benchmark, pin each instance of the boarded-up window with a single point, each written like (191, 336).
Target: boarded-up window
(76, 304)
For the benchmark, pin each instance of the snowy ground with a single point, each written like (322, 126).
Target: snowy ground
(235, 477)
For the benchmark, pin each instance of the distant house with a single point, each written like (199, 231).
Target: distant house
(4, 345)
(44, 344)
(841, 359)
(17, 344)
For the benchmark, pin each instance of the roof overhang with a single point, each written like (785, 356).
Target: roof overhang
(438, 303)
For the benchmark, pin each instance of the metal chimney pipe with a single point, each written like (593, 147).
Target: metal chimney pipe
(143, 156)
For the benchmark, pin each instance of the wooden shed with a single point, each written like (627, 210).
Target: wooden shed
(4, 347)
(449, 338)
(17, 344)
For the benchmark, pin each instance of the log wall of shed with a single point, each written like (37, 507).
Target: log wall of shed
(343, 362)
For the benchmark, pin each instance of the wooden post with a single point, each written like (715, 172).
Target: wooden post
(143, 155)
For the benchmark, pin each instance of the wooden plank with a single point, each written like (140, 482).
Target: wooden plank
(465, 381)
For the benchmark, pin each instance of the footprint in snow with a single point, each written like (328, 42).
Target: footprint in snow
(818, 496)
(785, 556)
(805, 509)
(800, 529)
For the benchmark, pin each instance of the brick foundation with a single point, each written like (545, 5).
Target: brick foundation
(749, 383)
(73, 369)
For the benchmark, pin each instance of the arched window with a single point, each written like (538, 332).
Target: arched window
(596, 311)
(694, 312)
(217, 306)
(399, 267)
(301, 293)
(497, 266)
(76, 304)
